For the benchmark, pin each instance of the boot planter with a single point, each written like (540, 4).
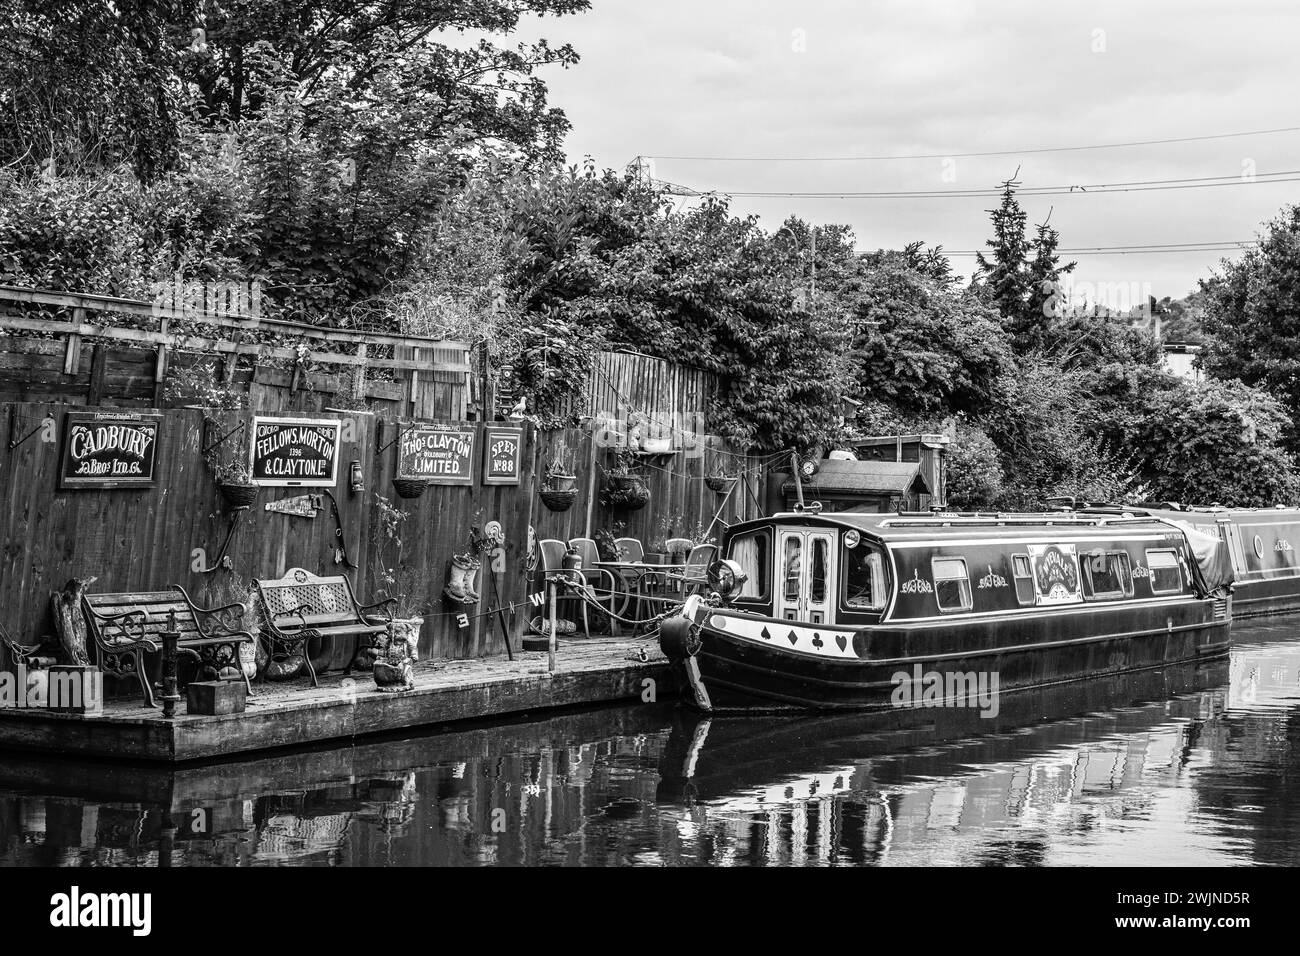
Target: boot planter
(474, 567)
(458, 573)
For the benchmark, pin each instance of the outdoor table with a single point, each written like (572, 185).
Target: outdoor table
(639, 572)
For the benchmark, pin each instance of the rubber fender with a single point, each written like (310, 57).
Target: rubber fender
(679, 638)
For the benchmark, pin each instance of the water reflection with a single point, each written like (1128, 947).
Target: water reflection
(1191, 765)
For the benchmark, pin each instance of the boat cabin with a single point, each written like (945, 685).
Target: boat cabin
(858, 569)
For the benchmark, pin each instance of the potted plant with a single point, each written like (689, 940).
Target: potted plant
(253, 656)
(559, 484)
(464, 567)
(608, 546)
(624, 486)
(720, 482)
(397, 650)
(657, 545)
(227, 457)
(235, 480)
(410, 488)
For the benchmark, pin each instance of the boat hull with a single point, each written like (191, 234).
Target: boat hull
(887, 667)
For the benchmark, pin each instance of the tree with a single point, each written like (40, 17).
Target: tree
(1003, 276)
(1252, 317)
(925, 348)
(490, 92)
(87, 84)
(1046, 428)
(1215, 442)
(1045, 273)
(974, 470)
(1021, 288)
(101, 82)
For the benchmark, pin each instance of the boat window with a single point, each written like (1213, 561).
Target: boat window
(752, 551)
(1106, 574)
(792, 562)
(1024, 578)
(864, 578)
(820, 547)
(1166, 575)
(951, 584)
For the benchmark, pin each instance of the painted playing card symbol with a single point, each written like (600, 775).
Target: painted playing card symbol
(793, 637)
(765, 634)
(841, 640)
(817, 640)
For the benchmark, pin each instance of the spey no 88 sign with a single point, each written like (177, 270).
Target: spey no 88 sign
(298, 452)
(109, 450)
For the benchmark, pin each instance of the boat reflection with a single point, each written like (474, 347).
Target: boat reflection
(1177, 763)
(1181, 765)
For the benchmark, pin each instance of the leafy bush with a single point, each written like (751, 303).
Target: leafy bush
(1208, 442)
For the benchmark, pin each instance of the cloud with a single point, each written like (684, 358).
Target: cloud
(837, 78)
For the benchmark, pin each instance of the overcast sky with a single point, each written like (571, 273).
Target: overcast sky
(832, 78)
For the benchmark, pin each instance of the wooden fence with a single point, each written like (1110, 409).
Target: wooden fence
(55, 354)
(175, 533)
(78, 359)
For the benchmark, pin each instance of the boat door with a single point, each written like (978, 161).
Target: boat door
(807, 559)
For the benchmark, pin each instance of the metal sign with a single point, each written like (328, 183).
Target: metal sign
(109, 450)
(501, 451)
(295, 452)
(1056, 573)
(302, 506)
(440, 454)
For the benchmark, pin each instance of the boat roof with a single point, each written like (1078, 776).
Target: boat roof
(912, 526)
(1167, 510)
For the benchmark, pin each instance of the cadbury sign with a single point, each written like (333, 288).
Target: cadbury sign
(109, 450)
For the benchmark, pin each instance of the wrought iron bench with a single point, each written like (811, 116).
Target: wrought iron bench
(302, 606)
(126, 626)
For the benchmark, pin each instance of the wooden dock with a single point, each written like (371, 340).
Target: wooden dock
(588, 671)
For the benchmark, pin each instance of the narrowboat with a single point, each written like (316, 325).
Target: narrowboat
(1262, 543)
(812, 611)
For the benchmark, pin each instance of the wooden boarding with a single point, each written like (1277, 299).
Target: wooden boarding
(126, 626)
(586, 674)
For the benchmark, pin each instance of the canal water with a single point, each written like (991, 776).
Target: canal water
(1185, 766)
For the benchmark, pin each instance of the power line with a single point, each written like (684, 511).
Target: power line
(1149, 185)
(992, 152)
(1222, 245)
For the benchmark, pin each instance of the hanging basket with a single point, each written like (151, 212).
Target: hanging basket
(238, 495)
(720, 483)
(409, 487)
(558, 500)
(561, 482)
(623, 481)
(632, 497)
